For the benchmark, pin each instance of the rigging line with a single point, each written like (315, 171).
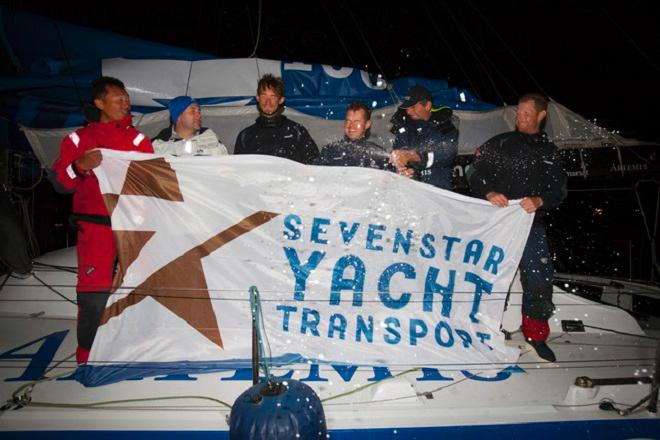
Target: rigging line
(469, 42)
(496, 69)
(364, 39)
(100, 405)
(601, 401)
(33, 186)
(650, 235)
(511, 51)
(68, 62)
(66, 359)
(334, 27)
(632, 41)
(187, 294)
(283, 300)
(256, 44)
(28, 221)
(451, 50)
(199, 24)
(5, 281)
(347, 393)
(71, 269)
(536, 368)
(189, 75)
(199, 21)
(249, 15)
(480, 366)
(371, 52)
(622, 333)
(53, 290)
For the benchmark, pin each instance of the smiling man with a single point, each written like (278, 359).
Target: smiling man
(186, 136)
(73, 172)
(273, 133)
(524, 164)
(355, 150)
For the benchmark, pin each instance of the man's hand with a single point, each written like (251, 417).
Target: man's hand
(497, 199)
(400, 158)
(90, 160)
(531, 204)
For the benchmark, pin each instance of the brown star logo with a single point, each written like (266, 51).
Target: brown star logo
(180, 285)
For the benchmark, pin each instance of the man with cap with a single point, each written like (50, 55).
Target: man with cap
(426, 139)
(273, 133)
(186, 136)
(524, 164)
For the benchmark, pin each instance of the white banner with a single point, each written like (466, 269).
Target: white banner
(354, 265)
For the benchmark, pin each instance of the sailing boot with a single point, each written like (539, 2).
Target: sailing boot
(543, 350)
(536, 333)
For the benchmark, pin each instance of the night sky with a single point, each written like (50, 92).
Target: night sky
(600, 59)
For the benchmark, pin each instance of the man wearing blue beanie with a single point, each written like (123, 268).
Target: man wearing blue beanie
(186, 136)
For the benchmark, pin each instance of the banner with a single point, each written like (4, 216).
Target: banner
(354, 266)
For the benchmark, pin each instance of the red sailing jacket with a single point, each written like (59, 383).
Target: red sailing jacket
(116, 135)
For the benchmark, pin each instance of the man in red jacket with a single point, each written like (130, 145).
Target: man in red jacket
(73, 173)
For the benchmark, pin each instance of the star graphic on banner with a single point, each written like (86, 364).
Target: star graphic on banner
(180, 285)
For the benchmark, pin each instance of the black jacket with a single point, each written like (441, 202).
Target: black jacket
(278, 136)
(519, 165)
(436, 142)
(359, 153)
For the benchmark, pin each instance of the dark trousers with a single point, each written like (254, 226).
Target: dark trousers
(536, 272)
(96, 257)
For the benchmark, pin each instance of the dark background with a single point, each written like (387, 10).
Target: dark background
(600, 59)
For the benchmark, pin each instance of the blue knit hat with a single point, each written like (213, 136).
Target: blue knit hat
(179, 105)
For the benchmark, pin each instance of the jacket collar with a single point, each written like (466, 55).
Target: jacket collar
(276, 121)
(121, 124)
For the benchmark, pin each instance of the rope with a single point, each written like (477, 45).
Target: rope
(22, 397)
(450, 48)
(341, 40)
(33, 186)
(371, 52)
(622, 333)
(513, 54)
(641, 51)
(53, 290)
(68, 63)
(650, 234)
(470, 44)
(5, 281)
(364, 387)
(99, 405)
(256, 44)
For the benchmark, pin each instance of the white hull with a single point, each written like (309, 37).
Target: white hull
(535, 398)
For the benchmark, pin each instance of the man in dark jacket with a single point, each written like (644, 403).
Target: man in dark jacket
(354, 150)
(427, 138)
(273, 133)
(524, 164)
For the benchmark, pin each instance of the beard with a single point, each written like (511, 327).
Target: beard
(277, 112)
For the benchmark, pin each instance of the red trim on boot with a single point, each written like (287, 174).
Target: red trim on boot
(534, 329)
(82, 354)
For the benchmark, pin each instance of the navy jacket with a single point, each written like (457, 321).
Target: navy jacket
(436, 142)
(519, 165)
(349, 153)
